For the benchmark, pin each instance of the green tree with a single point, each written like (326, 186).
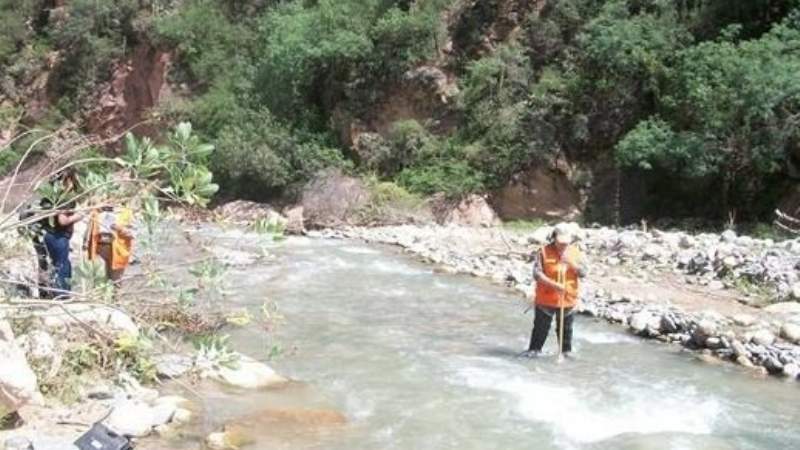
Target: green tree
(730, 112)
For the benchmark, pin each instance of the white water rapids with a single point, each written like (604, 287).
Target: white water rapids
(418, 360)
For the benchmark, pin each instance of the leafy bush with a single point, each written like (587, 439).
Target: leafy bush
(259, 156)
(443, 170)
(95, 35)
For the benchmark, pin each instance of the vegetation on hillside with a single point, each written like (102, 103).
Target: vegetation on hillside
(688, 96)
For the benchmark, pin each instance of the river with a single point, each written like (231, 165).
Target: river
(419, 360)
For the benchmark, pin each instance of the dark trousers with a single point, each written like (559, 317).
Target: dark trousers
(541, 326)
(43, 266)
(58, 248)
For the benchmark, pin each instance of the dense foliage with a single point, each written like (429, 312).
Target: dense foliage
(688, 95)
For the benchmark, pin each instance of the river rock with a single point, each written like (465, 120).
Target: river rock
(248, 374)
(668, 324)
(705, 328)
(172, 365)
(644, 322)
(42, 353)
(131, 418)
(52, 443)
(472, 211)
(18, 383)
(744, 361)
(763, 337)
(784, 308)
(791, 371)
(728, 236)
(182, 416)
(773, 365)
(796, 292)
(105, 319)
(738, 348)
(744, 320)
(791, 332)
(295, 220)
(18, 443)
(232, 438)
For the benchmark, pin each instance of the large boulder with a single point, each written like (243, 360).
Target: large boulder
(247, 373)
(784, 308)
(539, 193)
(472, 211)
(42, 352)
(295, 220)
(100, 318)
(18, 383)
(332, 199)
(791, 332)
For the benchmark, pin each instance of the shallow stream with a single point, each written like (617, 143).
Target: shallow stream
(419, 360)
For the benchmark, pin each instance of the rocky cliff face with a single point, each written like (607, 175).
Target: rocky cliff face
(136, 86)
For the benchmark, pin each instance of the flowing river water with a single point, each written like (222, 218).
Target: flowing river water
(419, 360)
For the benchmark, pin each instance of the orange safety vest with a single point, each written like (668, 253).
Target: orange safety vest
(559, 272)
(120, 245)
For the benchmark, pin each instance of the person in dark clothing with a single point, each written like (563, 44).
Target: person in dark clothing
(57, 237)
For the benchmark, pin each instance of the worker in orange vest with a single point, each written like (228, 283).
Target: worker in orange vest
(557, 268)
(110, 237)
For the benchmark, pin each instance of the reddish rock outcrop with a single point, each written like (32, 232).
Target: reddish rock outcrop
(472, 211)
(136, 86)
(539, 193)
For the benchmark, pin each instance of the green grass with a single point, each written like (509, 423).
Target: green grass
(524, 225)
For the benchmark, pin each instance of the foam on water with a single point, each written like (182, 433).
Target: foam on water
(587, 414)
(604, 337)
(359, 250)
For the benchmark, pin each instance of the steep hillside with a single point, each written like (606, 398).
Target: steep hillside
(616, 110)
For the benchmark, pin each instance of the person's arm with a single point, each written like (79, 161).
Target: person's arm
(67, 219)
(579, 268)
(540, 277)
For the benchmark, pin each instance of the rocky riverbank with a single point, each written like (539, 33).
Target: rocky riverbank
(729, 297)
(67, 365)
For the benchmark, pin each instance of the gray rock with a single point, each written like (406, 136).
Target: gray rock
(763, 337)
(18, 443)
(773, 365)
(791, 371)
(738, 348)
(744, 361)
(714, 343)
(796, 291)
(131, 418)
(728, 236)
(688, 242)
(744, 320)
(787, 308)
(668, 324)
(791, 332)
(644, 322)
(172, 365)
(52, 443)
(18, 383)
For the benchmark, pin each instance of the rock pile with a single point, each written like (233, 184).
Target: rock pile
(714, 260)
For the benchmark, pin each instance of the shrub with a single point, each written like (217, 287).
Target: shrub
(260, 157)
